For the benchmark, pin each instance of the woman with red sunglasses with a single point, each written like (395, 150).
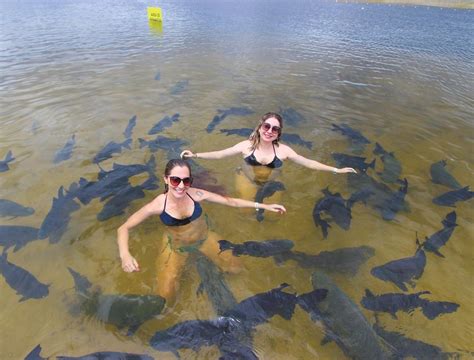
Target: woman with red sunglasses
(263, 153)
(187, 230)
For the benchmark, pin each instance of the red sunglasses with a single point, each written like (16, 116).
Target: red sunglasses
(275, 129)
(176, 180)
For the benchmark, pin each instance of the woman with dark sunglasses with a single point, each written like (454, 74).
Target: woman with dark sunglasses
(263, 154)
(186, 228)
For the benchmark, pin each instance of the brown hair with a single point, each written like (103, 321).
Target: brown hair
(172, 164)
(255, 135)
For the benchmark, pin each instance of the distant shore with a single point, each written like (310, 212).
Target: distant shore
(458, 4)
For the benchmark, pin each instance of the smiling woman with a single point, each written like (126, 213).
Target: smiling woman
(180, 210)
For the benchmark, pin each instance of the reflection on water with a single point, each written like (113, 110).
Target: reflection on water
(75, 70)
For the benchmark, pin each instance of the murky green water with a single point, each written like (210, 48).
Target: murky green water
(402, 76)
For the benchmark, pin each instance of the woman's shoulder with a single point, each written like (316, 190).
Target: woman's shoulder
(197, 194)
(243, 145)
(156, 205)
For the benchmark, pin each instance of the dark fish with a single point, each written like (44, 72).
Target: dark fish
(343, 322)
(216, 120)
(122, 310)
(129, 129)
(164, 123)
(163, 143)
(179, 87)
(113, 181)
(451, 197)
(439, 175)
(391, 166)
(222, 114)
(337, 209)
(287, 138)
(102, 355)
(441, 237)
(215, 286)
(4, 163)
(409, 348)
(10, 208)
(392, 303)
(230, 333)
(267, 190)
(110, 149)
(56, 221)
(358, 141)
(356, 162)
(257, 248)
(382, 199)
(117, 204)
(66, 152)
(402, 271)
(17, 236)
(158, 76)
(291, 116)
(344, 260)
(24, 283)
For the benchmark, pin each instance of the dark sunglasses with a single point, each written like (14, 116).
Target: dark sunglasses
(176, 180)
(275, 129)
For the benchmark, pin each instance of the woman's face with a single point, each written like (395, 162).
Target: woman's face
(269, 130)
(178, 181)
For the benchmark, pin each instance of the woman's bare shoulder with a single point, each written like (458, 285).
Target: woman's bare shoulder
(198, 194)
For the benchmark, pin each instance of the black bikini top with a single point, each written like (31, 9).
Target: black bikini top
(252, 160)
(169, 220)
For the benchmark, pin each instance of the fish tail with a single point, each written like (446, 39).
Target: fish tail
(9, 157)
(432, 309)
(379, 150)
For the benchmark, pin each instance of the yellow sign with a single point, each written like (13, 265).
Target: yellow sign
(154, 13)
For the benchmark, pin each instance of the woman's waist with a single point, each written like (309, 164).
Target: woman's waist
(259, 173)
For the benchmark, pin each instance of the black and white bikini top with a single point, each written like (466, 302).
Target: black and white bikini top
(169, 220)
(274, 164)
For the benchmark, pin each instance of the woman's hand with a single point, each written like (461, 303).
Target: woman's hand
(345, 170)
(129, 264)
(273, 207)
(187, 154)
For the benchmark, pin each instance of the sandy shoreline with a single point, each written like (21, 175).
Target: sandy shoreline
(458, 4)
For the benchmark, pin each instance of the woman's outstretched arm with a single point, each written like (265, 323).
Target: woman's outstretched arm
(219, 154)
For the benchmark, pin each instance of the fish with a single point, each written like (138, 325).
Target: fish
(230, 332)
(262, 249)
(215, 285)
(291, 116)
(129, 129)
(116, 205)
(122, 310)
(392, 168)
(110, 149)
(179, 87)
(394, 302)
(343, 322)
(451, 197)
(383, 199)
(164, 123)
(337, 208)
(66, 152)
(10, 208)
(285, 137)
(344, 260)
(409, 348)
(4, 163)
(439, 175)
(266, 190)
(441, 237)
(358, 141)
(222, 114)
(163, 143)
(356, 162)
(23, 282)
(158, 76)
(35, 354)
(56, 221)
(113, 181)
(17, 236)
(402, 271)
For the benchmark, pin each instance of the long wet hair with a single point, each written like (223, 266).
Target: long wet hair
(171, 165)
(255, 135)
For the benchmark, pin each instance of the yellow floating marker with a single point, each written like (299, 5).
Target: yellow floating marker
(154, 13)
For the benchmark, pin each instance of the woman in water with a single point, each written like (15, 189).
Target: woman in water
(263, 153)
(180, 210)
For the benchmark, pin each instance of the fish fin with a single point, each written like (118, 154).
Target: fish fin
(436, 252)
(450, 219)
(9, 157)
(379, 149)
(200, 289)
(133, 329)
(23, 299)
(142, 142)
(393, 315)
(328, 338)
(369, 293)
(127, 143)
(372, 164)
